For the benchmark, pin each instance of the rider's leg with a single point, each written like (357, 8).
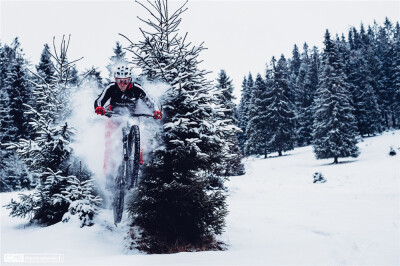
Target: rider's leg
(109, 166)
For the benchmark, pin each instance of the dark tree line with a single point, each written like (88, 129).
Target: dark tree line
(328, 98)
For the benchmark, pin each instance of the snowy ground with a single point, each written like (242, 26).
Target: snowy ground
(277, 216)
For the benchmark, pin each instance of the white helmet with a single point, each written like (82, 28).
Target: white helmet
(122, 72)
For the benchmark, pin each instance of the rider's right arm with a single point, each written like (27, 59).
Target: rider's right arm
(103, 97)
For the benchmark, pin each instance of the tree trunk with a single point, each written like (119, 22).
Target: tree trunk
(280, 153)
(386, 119)
(393, 119)
(336, 160)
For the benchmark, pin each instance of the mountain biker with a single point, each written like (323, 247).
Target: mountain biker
(122, 95)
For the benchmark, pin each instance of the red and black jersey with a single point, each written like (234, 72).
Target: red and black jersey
(124, 99)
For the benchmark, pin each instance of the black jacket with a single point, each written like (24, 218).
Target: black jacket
(127, 99)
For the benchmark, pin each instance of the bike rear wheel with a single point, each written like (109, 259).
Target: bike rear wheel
(134, 156)
(118, 205)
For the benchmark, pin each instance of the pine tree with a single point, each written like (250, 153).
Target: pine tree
(45, 67)
(8, 130)
(13, 174)
(233, 166)
(301, 95)
(245, 106)
(242, 114)
(14, 91)
(367, 112)
(18, 88)
(307, 84)
(334, 134)
(293, 73)
(117, 58)
(384, 53)
(94, 78)
(295, 61)
(47, 154)
(343, 51)
(280, 115)
(255, 131)
(175, 208)
(373, 63)
(73, 76)
(82, 202)
(44, 205)
(396, 71)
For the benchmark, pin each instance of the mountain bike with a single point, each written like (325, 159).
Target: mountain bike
(128, 172)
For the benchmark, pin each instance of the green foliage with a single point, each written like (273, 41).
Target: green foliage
(83, 203)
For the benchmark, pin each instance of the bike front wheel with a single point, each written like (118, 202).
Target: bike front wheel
(119, 195)
(118, 205)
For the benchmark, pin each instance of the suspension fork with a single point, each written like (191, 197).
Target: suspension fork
(125, 143)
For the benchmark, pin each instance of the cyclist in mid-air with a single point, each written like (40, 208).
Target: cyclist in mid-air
(121, 95)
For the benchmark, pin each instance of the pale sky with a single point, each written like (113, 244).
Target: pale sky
(241, 36)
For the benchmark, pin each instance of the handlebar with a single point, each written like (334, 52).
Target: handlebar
(111, 113)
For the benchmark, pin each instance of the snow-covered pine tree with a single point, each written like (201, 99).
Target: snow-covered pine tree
(302, 99)
(334, 134)
(256, 126)
(45, 68)
(242, 114)
(13, 174)
(384, 53)
(14, 90)
(343, 51)
(18, 88)
(305, 100)
(293, 72)
(373, 63)
(73, 79)
(8, 130)
(295, 61)
(245, 106)
(117, 58)
(44, 205)
(233, 166)
(93, 77)
(279, 114)
(367, 112)
(396, 71)
(83, 204)
(174, 209)
(47, 153)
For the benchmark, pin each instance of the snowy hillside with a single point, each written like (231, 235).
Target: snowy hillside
(277, 216)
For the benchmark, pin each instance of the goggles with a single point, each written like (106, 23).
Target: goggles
(123, 81)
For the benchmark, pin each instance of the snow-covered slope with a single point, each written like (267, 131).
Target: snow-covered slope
(277, 216)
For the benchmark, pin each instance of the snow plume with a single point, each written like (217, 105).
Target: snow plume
(90, 140)
(155, 89)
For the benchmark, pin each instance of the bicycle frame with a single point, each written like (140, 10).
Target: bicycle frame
(128, 172)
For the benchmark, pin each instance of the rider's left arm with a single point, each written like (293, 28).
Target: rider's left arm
(148, 100)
